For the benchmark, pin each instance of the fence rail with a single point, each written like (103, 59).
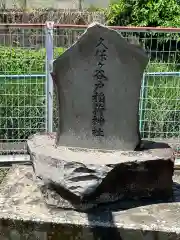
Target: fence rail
(26, 90)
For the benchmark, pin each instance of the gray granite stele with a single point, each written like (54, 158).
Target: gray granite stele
(97, 82)
(97, 157)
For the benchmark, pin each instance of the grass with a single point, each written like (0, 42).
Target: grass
(161, 107)
(22, 107)
(161, 103)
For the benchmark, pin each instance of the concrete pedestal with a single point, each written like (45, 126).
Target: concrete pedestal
(24, 215)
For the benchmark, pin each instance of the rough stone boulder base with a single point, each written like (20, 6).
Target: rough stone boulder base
(98, 82)
(84, 178)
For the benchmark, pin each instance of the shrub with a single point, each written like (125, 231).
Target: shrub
(164, 13)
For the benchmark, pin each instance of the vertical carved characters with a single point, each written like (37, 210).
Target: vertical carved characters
(98, 97)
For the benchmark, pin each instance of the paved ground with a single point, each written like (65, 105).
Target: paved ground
(3, 172)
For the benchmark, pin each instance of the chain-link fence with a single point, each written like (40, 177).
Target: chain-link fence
(26, 90)
(22, 84)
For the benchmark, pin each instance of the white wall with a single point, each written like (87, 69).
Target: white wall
(57, 3)
(97, 3)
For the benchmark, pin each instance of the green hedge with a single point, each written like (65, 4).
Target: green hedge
(22, 101)
(20, 61)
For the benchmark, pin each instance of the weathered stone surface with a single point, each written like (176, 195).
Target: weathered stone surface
(23, 214)
(98, 82)
(83, 178)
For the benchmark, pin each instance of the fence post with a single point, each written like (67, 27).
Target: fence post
(49, 81)
(142, 96)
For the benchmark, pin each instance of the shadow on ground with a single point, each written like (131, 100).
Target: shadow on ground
(104, 214)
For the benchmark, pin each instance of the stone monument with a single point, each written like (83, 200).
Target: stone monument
(97, 156)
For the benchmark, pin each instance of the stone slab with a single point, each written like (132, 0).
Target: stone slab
(13, 148)
(22, 210)
(97, 82)
(85, 178)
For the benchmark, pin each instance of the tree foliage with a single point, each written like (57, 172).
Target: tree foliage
(152, 13)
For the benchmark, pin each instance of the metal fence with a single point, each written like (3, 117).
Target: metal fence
(26, 90)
